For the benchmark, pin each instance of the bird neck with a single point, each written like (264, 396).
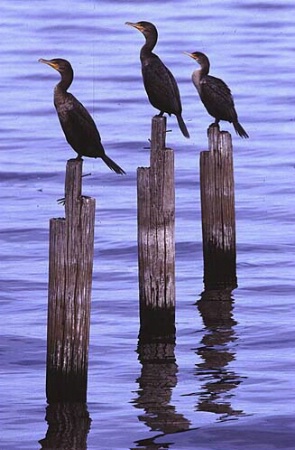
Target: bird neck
(196, 78)
(150, 42)
(65, 82)
(205, 66)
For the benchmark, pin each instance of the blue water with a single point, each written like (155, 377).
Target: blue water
(232, 384)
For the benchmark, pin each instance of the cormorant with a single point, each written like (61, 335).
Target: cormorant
(215, 94)
(77, 124)
(159, 83)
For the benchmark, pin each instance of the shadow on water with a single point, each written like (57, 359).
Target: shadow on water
(216, 352)
(156, 353)
(68, 426)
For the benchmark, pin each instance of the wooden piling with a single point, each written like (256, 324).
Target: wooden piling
(70, 279)
(218, 211)
(156, 235)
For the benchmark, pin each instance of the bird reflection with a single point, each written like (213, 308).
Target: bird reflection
(217, 352)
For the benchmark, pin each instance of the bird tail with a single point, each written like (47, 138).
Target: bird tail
(240, 130)
(182, 126)
(112, 165)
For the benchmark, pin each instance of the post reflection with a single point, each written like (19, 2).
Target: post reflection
(156, 382)
(68, 426)
(217, 351)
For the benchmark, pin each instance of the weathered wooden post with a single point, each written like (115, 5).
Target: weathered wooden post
(218, 211)
(70, 280)
(156, 236)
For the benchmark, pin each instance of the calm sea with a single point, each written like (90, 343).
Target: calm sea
(232, 384)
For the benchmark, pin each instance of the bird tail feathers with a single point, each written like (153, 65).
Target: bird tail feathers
(112, 165)
(182, 126)
(240, 130)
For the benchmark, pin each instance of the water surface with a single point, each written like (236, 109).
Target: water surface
(231, 385)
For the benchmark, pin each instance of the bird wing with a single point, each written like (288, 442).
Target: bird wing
(80, 112)
(161, 86)
(217, 98)
(79, 128)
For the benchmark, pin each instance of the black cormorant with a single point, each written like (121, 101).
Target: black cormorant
(215, 94)
(159, 83)
(77, 124)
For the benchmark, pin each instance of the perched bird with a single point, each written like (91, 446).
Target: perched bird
(215, 94)
(77, 124)
(159, 83)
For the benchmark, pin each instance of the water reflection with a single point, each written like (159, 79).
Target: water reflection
(216, 352)
(68, 426)
(156, 382)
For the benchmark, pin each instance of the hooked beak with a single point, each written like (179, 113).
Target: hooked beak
(134, 25)
(50, 63)
(189, 54)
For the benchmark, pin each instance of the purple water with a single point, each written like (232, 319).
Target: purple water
(231, 386)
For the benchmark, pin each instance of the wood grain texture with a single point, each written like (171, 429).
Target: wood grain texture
(69, 296)
(218, 211)
(156, 225)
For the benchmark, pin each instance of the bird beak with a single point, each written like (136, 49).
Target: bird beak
(50, 63)
(189, 54)
(134, 25)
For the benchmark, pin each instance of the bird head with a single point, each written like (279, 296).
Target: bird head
(61, 65)
(200, 57)
(146, 28)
